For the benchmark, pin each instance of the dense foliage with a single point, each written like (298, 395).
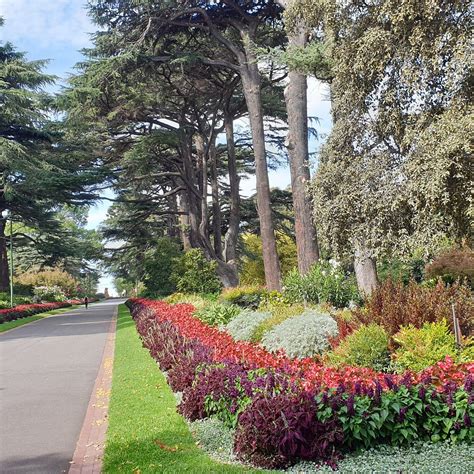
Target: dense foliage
(320, 412)
(324, 283)
(393, 305)
(367, 346)
(195, 274)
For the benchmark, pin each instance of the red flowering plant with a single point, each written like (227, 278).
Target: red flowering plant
(24, 310)
(288, 409)
(311, 373)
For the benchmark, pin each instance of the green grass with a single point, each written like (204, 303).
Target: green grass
(29, 319)
(146, 434)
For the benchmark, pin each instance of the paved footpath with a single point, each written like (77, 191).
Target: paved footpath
(47, 372)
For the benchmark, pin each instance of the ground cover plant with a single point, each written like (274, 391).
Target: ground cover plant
(285, 410)
(145, 433)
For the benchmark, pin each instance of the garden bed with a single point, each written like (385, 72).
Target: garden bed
(25, 310)
(285, 410)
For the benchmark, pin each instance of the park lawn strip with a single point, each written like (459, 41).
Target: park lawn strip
(145, 433)
(29, 319)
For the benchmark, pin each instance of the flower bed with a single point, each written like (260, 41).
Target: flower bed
(25, 310)
(288, 409)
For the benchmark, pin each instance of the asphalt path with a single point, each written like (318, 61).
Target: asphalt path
(47, 372)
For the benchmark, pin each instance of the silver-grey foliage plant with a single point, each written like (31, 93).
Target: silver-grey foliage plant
(243, 325)
(302, 336)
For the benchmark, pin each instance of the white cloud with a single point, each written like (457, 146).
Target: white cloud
(319, 104)
(46, 23)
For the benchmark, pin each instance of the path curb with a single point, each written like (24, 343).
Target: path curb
(89, 451)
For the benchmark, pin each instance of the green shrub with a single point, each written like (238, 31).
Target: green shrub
(159, 263)
(244, 296)
(53, 277)
(243, 325)
(273, 299)
(279, 313)
(422, 347)
(401, 270)
(198, 301)
(216, 314)
(196, 274)
(324, 283)
(22, 290)
(49, 293)
(302, 336)
(252, 271)
(367, 346)
(5, 300)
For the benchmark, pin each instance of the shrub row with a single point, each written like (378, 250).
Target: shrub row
(285, 410)
(25, 310)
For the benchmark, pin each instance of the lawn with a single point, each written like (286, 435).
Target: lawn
(146, 434)
(29, 319)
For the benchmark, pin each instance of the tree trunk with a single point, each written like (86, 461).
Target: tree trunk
(365, 269)
(184, 221)
(251, 86)
(297, 143)
(191, 194)
(171, 219)
(231, 237)
(198, 232)
(4, 268)
(216, 208)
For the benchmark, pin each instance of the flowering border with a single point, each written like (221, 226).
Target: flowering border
(286, 409)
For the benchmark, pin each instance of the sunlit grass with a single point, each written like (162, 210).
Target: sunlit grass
(145, 433)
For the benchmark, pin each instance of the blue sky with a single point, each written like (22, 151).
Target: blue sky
(58, 29)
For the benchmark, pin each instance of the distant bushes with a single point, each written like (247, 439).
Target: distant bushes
(195, 274)
(393, 305)
(244, 296)
(452, 265)
(324, 283)
(49, 293)
(51, 278)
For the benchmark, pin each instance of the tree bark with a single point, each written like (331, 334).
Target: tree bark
(4, 268)
(216, 208)
(172, 219)
(198, 234)
(365, 269)
(251, 86)
(297, 144)
(231, 237)
(184, 221)
(202, 158)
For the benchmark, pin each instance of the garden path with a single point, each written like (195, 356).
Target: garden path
(47, 372)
